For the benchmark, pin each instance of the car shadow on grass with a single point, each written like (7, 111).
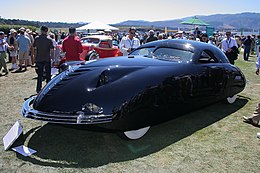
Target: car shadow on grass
(58, 146)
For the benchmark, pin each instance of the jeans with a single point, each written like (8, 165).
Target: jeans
(41, 66)
(247, 50)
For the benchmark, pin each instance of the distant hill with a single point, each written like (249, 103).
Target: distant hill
(245, 21)
(219, 21)
(38, 24)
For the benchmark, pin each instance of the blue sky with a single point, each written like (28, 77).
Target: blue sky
(115, 11)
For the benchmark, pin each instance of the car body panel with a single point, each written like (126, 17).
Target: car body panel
(131, 92)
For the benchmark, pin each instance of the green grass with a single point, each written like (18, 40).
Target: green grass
(212, 139)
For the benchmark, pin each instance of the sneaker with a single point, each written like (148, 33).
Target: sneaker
(250, 121)
(258, 135)
(19, 69)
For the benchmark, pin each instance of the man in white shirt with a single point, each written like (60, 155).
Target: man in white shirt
(257, 65)
(229, 47)
(129, 42)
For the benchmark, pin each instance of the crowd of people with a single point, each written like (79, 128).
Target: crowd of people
(26, 48)
(230, 44)
(19, 44)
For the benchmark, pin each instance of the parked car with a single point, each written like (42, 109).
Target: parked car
(158, 81)
(98, 46)
(94, 46)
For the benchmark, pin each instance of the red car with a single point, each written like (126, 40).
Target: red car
(94, 47)
(98, 46)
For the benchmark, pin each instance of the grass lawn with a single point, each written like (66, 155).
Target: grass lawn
(212, 139)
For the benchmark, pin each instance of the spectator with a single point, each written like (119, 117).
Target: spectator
(151, 37)
(13, 47)
(211, 40)
(29, 34)
(44, 49)
(3, 49)
(160, 37)
(255, 118)
(196, 32)
(56, 53)
(72, 46)
(204, 38)
(129, 42)
(143, 38)
(230, 48)
(247, 47)
(24, 45)
(238, 40)
(180, 35)
(257, 65)
(257, 43)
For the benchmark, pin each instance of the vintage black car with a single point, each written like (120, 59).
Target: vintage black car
(157, 82)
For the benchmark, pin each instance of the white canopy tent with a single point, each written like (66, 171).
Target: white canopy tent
(96, 26)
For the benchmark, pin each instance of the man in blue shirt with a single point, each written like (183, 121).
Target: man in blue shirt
(24, 45)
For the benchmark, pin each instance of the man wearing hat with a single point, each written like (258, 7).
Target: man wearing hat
(180, 35)
(3, 48)
(13, 47)
(24, 45)
(44, 49)
(151, 37)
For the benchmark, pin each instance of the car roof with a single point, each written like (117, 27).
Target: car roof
(101, 37)
(190, 45)
(179, 43)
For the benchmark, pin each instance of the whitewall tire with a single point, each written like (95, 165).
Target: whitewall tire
(232, 99)
(135, 134)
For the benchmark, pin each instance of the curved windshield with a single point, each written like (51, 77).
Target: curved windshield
(165, 54)
(90, 40)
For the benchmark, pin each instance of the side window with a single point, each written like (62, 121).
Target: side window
(207, 57)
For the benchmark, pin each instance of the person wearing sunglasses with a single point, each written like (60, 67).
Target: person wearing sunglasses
(129, 42)
(230, 48)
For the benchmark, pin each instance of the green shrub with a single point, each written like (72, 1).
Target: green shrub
(6, 28)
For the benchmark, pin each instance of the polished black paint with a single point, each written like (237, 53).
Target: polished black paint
(139, 91)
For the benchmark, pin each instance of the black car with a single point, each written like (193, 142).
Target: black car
(157, 82)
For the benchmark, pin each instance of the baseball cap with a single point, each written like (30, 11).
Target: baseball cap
(22, 29)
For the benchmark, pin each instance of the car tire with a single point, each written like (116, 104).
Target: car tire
(92, 55)
(134, 134)
(232, 99)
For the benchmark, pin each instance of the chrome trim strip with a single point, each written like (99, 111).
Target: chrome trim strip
(61, 118)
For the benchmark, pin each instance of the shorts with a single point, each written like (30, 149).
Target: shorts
(23, 55)
(13, 53)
